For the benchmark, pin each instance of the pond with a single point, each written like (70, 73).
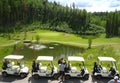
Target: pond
(52, 49)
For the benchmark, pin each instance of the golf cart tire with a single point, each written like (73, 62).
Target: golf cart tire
(36, 76)
(99, 77)
(56, 76)
(4, 74)
(67, 77)
(86, 77)
(118, 75)
(23, 75)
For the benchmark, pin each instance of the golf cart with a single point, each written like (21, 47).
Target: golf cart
(76, 68)
(107, 68)
(45, 67)
(13, 65)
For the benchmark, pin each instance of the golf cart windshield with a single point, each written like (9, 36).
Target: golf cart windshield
(76, 61)
(109, 61)
(13, 60)
(45, 63)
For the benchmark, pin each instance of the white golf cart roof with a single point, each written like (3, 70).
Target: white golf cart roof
(45, 58)
(106, 59)
(75, 58)
(17, 57)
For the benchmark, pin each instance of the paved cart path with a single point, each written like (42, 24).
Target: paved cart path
(29, 79)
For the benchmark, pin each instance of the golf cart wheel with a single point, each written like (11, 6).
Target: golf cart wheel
(4, 74)
(56, 76)
(67, 77)
(36, 76)
(86, 77)
(118, 75)
(98, 76)
(23, 75)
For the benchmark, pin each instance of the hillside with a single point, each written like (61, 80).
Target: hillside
(18, 13)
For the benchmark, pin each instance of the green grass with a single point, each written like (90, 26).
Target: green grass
(109, 51)
(55, 36)
(63, 37)
(5, 51)
(5, 41)
(101, 46)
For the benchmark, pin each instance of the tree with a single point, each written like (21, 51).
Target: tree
(14, 13)
(37, 39)
(92, 32)
(112, 24)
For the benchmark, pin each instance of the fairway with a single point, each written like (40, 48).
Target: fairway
(49, 34)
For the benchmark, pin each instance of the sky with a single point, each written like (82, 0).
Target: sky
(92, 5)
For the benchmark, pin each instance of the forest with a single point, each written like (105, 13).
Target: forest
(14, 14)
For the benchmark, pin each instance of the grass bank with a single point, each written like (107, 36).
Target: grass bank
(4, 41)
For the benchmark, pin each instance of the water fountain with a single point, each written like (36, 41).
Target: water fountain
(37, 46)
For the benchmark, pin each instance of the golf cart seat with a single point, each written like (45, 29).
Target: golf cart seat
(104, 70)
(73, 69)
(43, 69)
(15, 67)
(9, 65)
